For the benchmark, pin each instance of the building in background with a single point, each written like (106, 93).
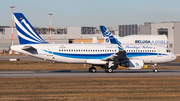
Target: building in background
(85, 34)
(59, 35)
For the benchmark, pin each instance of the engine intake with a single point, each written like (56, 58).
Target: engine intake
(132, 63)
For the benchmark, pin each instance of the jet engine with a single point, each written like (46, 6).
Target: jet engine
(132, 64)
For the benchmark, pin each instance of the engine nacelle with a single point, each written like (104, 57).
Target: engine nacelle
(132, 63)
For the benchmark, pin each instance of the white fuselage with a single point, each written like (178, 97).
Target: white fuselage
(81, 53)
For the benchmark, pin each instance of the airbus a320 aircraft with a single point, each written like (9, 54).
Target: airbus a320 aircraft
(107, 56)
(148, 53)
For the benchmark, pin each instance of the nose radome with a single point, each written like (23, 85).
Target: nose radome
(173, 57)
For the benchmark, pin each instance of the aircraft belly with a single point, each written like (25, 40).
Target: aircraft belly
(68, 60)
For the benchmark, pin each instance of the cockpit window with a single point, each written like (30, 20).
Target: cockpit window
(168, 51)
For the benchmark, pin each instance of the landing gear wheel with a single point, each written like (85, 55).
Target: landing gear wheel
(155, 70)
(109, 70)
(92, 69)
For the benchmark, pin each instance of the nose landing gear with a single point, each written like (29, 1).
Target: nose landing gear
(154, 68)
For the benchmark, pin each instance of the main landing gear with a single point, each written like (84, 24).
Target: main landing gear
(92, 69)
(108, 70)
(154, 68)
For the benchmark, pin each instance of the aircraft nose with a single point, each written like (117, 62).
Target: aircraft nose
(173, 57)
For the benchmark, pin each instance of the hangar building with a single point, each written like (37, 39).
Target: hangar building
(170, 29)
(59, 35)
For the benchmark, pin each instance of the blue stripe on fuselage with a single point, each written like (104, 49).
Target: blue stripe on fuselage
(99, 56)
(81, 56)
(134, 54)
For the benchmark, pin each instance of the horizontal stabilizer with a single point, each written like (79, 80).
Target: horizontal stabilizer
(30, 49)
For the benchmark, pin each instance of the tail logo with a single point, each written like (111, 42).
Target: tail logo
(112, 39)
(107, 40)
(23, 21)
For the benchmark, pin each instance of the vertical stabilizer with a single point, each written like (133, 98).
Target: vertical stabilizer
(112, 39)
(26, 33)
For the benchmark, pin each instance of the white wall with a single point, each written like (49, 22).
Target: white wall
(169, 26)
(177, 38)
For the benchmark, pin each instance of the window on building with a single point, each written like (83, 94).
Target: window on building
(170, 45)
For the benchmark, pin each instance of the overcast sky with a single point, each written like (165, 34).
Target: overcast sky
(77, 13)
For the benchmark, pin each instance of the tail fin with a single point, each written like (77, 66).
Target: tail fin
(26, 33)
(106, 40)
(112, 39)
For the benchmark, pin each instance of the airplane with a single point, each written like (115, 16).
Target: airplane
(148, 53)
(141, 39)
(107, 56)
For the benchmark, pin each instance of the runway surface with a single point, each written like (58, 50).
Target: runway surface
(77, 74)
(21, 57)
(83, 74)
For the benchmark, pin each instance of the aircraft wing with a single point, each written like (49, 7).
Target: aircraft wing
(121, 55)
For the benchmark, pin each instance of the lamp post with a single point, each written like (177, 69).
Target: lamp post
(12, 27)
(50, 26)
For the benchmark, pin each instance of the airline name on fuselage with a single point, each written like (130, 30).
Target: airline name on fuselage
(135, 47)
(161, 42)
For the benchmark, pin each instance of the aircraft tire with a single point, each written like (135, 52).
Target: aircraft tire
(155, 70)
(109, 70)
(92, 70)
